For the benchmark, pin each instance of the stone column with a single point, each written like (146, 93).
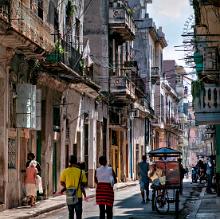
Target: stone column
(92, 152)
(3, 133)
(6, 56)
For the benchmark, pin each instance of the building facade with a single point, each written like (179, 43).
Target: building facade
(49, 103)
(205, 89)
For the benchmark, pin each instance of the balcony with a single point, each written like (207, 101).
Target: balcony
(207, 105)
(129, 69)
(121, 22)
(143, 105)
(171, 122)
(122, 88)
(64, 53)
(23, 29)
(155, 74)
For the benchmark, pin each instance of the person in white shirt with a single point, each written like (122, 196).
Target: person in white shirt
(105, 179)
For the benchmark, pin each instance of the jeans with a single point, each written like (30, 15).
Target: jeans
(75, 208)
(209, 183)
(107, 209)
(144, 186)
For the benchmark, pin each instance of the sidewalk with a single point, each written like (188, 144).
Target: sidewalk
(50, 204)
(209, 206)
(206, 207)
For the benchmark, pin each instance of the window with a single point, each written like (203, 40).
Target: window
(210, 59)
(12, 153)
(56, 119)
(40, 9)
(37, 7)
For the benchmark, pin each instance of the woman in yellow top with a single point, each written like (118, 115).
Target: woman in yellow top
(74, 177)
(156, 174)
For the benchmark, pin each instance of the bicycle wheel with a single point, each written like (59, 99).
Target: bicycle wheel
(162, 204)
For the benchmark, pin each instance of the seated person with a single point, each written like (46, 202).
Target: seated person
(155, 173)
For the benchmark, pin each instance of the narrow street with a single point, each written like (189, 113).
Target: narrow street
(98, 93)
(128, 205)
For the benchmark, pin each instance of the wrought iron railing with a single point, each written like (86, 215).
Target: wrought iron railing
(209, 99)
(66, 53)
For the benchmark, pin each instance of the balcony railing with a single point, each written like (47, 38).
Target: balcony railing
(143, 104)
(207, 105)
(68, 55)
(122, 87)
(121, 21)
(127, 69)
(25, 21)
(72, 57)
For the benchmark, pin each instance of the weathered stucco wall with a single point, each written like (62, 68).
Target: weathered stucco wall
(96, 29)
(3, 133)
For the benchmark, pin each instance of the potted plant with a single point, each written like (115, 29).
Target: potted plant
(56, 55)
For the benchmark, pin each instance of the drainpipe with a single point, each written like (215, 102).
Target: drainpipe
(131, 150)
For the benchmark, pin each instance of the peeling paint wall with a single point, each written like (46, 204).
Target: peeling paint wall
(3, 132)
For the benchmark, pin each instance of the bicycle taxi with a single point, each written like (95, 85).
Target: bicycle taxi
(168, 190)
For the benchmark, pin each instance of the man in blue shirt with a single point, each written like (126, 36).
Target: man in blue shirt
(143, 168)
(210, 174)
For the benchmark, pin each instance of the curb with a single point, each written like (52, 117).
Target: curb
(43, 211)
(58, 206)
(198, 203)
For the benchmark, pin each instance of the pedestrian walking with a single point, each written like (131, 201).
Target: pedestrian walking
(210, 174)
(202, 171)
(105, 179)
(30, 182)
(143, 168)
(72, 178)
(82, 166)
(194, 174)
(187, 172)
(31, 157)
(182, 173)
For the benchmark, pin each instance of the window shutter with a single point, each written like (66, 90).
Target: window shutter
(26, 106)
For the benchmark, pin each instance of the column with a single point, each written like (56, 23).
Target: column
(92, 152)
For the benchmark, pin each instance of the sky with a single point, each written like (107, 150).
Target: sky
(171, 15)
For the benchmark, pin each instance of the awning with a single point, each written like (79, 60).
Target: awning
(164, 152)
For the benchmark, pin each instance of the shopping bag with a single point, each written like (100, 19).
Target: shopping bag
(71, 196)
(39, 184)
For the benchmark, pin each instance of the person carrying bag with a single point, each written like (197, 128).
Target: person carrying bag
(72, 194)
(71, 178)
